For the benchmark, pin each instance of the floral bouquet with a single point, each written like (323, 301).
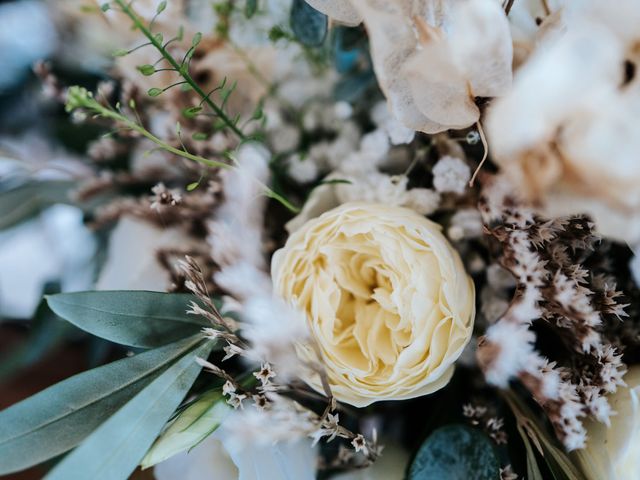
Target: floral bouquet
(346, 239)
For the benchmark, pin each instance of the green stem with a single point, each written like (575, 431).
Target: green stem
(181, 69)
(108, 113)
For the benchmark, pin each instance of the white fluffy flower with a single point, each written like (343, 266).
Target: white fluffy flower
(302, 170)
(422, 200)
(465, 223)
(397, 132)
(375, 143)
(451, 174)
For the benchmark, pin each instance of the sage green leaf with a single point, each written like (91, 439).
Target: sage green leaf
(26, 200)
(60, 417)
(190, 427)
(115, 449)
(135, 318)
(456, 452)
(309, 25)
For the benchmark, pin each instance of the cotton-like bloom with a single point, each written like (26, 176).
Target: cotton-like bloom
(613, 452)
(433, 58)
(386, 298)
(565, 134)
(451, 174)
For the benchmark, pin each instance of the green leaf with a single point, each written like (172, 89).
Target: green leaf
(190, 427)
(115, 449)
(196, 39)
(161, 6)
(154, 92)
(135, 318)
(258, 113)
(191, 111)
(308, 25)
(250, 8)
(455, 452)
(121, 52)
(199, 136)
(58, 418)
(29, 199)
(147, 69)
(192, 186)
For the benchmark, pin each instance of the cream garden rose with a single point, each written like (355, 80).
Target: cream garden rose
(613, 452)
(386, 297)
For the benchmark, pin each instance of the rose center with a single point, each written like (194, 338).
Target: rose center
(367, 329)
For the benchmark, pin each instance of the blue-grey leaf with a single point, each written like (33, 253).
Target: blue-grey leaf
(27, 200)
(308, 25)
(115, 449)
(134, 318)
(56, 419)
(456, 452)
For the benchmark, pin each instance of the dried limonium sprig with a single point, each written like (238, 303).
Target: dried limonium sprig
(553, 285)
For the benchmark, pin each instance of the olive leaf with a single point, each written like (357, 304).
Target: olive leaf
(189, 428)
(116, 447)
(455, 452)
(30, 198)
(58, 418)
(134, 318)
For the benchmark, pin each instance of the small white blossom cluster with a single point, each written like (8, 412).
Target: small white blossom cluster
(376, 187)
(451, 174)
